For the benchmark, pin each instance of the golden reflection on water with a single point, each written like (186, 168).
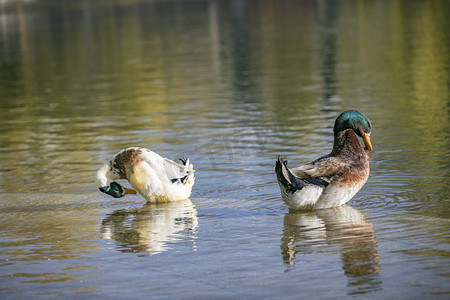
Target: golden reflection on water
(42, 227)
(233, 84)
(144, 74)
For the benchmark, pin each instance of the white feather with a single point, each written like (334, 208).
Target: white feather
(334, 196)
(156, 178)
(305, 197)
(153, 178)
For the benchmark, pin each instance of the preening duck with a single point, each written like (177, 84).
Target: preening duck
(334, 179)
(156, 178)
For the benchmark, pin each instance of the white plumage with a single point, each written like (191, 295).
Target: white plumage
(156, 178)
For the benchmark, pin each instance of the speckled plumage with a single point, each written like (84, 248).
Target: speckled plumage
(156, 178)
(334, 179)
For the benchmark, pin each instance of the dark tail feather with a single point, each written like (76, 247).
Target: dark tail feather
(285, 176)
(180, 180)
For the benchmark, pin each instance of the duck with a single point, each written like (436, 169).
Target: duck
(331, 180)
(156, 178)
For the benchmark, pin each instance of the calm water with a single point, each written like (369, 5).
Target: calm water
(232, 85)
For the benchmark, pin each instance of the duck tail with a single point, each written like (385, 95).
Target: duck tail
(184, 161)
(285, 177)
(187, 164)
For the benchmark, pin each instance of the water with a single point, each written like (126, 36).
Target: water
(231, 85)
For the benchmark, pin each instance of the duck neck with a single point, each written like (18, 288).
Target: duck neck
(102, 177)
(346, 143)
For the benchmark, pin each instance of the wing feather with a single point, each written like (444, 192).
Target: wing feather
(325, 168)
(176, 171)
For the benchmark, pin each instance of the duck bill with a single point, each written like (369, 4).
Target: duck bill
(127, 191)
(366, 139)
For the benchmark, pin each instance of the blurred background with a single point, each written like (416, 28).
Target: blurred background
(231, 85)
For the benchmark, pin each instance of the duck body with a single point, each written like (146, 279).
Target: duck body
(156, 178)
(333, 179)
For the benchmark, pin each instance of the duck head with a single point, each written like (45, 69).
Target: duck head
(116, 190)
(359, 123)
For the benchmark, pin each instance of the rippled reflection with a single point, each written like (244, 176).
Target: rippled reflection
(152, 227)
(231, 85)
(307, 233)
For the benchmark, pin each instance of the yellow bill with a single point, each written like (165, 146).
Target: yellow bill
(128, 191)
(366, 139)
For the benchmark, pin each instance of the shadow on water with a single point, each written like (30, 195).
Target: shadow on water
(306, 233)
(151, 228)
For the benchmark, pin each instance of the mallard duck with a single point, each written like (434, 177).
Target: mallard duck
(156, 178)
(333, 179)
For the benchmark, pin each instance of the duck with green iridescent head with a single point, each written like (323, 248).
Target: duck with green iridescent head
(156, 178)
(331, 180)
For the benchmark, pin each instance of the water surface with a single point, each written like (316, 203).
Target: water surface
(231, 85)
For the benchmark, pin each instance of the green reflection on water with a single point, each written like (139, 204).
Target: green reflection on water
(78, 79)
(81, 80)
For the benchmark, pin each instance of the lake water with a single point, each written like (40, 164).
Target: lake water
(231, 85)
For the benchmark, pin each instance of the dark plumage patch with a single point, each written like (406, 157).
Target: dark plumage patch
(352, 119)
(291, 182)
(286, 178)
(181, 180)
(123, 161)
(317, 181)
(114, 190)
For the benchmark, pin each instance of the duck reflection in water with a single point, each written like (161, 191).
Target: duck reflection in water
(311, 232)
(152, 227)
